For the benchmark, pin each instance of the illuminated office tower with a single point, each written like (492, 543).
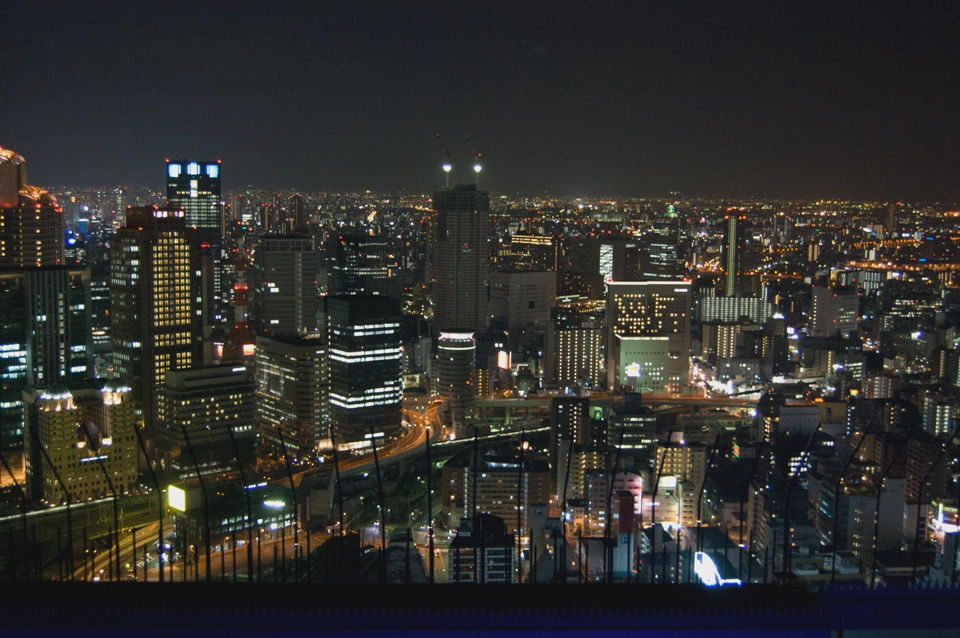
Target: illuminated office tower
(366, 371)
(31, 222)
(195, 187)
(660, 256)
(365, 265)
(204, 402)
(456, 364)
(44, 337)
(733, 246)
(460, 258)
(78, 429)
(293, 386)
(155, 295)
(648, 335)
(285, 285)
(573, 354)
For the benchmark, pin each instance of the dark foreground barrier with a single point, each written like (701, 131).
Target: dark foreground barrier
(534, 610)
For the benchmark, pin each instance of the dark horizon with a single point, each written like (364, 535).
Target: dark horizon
(851, 101)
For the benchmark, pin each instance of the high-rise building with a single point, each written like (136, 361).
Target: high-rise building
(195, 409)
(569, 429)
(298, 213)
(594, 261)
(365, 265)
(531, 252)
(366, 368)
(834, 310)
(573, 353)
(32, 229)
(196, 188)
(734, 240)
(735, 309)
(648, 335)
(523, 299)
(45, 337)
(78, 429)
(155, 295)
(285, 285)
(456, 364)
(660, 256)
(293, 386)
(460, 258)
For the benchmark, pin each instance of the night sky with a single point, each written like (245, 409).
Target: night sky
(576, 98)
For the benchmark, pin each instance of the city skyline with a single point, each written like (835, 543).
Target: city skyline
(850, 101)
(671, 303)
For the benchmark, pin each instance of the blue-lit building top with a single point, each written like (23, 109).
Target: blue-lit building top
(195, 186)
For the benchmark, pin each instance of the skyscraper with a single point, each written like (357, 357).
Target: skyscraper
(31, 222)
(285, 285)
(460, 258)
(364, 265)
(366, 372)
(155, 294)
(733, 246)
(660, 256)
(293, 386)
(45, 336)
(195, 187)
(648, 335)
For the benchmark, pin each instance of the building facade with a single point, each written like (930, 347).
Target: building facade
(366, 368)
(156, 303)
(293, 387)
(648, 335)
(197, 410)
(78, 430)
(285, 285)
(460, 258)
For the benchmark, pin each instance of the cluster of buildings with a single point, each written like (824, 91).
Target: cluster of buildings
(784, 374)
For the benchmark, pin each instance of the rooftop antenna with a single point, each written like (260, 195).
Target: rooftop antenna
(477, 157)
(447, 166)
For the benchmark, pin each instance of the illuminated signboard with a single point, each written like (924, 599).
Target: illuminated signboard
(706, 570)
(177, 498)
